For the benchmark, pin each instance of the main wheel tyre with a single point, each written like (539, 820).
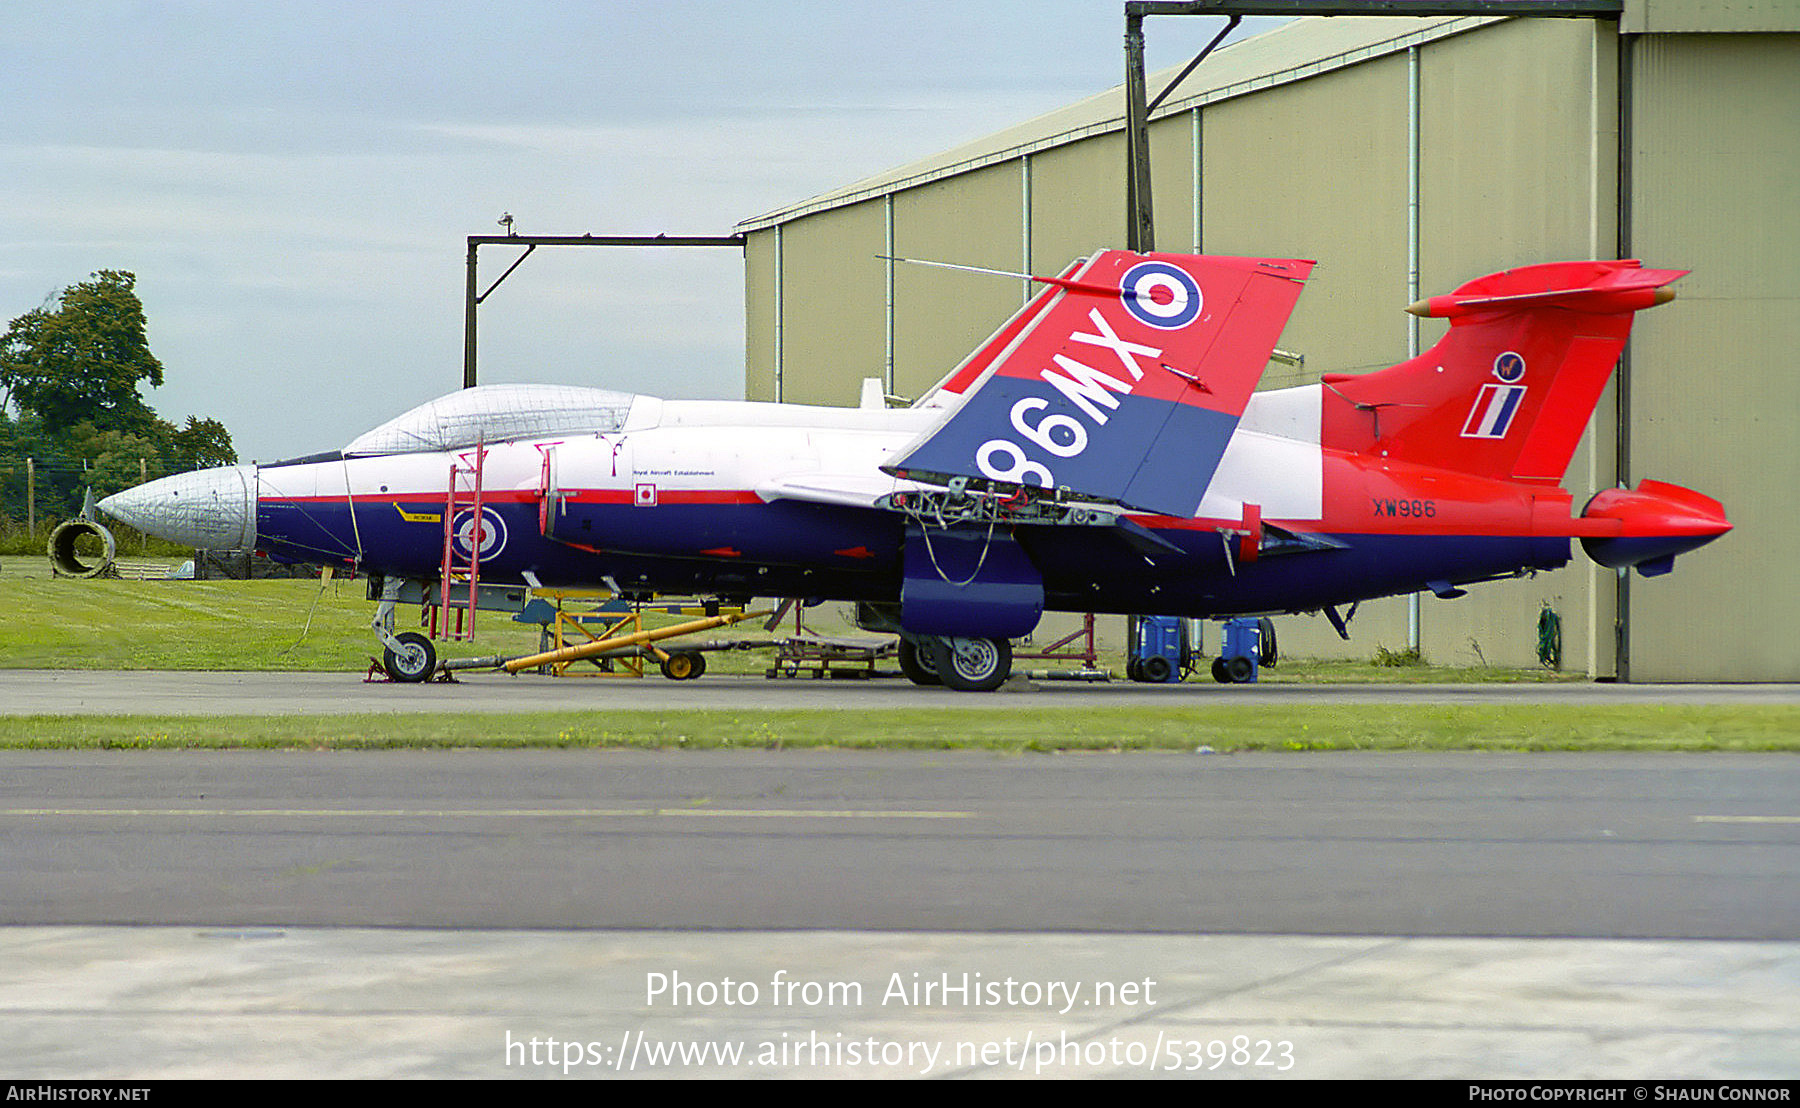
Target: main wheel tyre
(684, 666)
(972, 665)
(1265, 637)
(916, 663)
(416, 659)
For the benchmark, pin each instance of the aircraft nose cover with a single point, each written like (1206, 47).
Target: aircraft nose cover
(210, 509)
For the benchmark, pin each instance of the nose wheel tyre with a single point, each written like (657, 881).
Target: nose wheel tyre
(972, 665)
(416, 660)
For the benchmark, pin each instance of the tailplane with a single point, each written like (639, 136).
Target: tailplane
(1508, 391)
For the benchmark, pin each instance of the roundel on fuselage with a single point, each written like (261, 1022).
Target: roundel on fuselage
(483, 543)
(1161, 295)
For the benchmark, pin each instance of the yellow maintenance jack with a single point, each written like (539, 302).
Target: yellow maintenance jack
(621, 640)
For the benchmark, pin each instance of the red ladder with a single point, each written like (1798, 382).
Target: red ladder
(456, 603)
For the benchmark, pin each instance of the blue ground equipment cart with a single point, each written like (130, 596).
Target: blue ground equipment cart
(1160, 650)
(1244, 645)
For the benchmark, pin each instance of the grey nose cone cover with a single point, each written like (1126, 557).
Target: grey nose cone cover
(212, 509)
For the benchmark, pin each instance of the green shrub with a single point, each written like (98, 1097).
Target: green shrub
(1396, 658)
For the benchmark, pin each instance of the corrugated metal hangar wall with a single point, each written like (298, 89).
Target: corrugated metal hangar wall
(1316, 140)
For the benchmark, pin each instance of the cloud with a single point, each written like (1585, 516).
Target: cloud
(293, 183)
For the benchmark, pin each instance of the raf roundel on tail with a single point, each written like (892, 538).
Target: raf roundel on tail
(1161, 295)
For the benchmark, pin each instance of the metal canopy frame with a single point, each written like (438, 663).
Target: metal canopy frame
(473, 299)
(1140, 227)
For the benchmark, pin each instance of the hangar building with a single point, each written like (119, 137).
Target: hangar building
(1380, 146)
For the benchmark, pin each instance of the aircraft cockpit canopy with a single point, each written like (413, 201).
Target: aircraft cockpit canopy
(496, 413)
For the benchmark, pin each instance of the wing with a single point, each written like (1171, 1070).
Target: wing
(1125, 385)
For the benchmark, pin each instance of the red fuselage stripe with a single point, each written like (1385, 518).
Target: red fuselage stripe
(530, 496)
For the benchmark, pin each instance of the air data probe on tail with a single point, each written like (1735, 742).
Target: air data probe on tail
(1104, 451)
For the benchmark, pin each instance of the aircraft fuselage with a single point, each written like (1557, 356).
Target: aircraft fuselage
(680, 509)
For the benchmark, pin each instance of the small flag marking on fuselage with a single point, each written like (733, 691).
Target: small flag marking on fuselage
(1492, 415)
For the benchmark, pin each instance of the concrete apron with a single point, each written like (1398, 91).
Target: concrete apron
(181, 1002)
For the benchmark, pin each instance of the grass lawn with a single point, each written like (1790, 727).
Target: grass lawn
(52, 623)
(308, 626)
(1198, 729)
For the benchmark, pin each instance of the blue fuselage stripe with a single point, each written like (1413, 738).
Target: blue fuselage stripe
(790, 548)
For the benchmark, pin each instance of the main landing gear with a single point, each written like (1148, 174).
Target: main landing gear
(963, 664)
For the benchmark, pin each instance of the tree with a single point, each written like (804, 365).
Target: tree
(72, 369)
(114, 460)
(201, 444)
(81, 357)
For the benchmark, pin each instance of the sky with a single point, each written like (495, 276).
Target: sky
(293, 183)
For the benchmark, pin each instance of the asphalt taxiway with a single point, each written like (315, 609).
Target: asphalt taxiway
(456, 913)
(453, 913)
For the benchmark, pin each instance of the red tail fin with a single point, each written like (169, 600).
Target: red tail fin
(1509, 390)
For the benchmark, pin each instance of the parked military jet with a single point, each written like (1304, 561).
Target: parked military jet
(1103, 451)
